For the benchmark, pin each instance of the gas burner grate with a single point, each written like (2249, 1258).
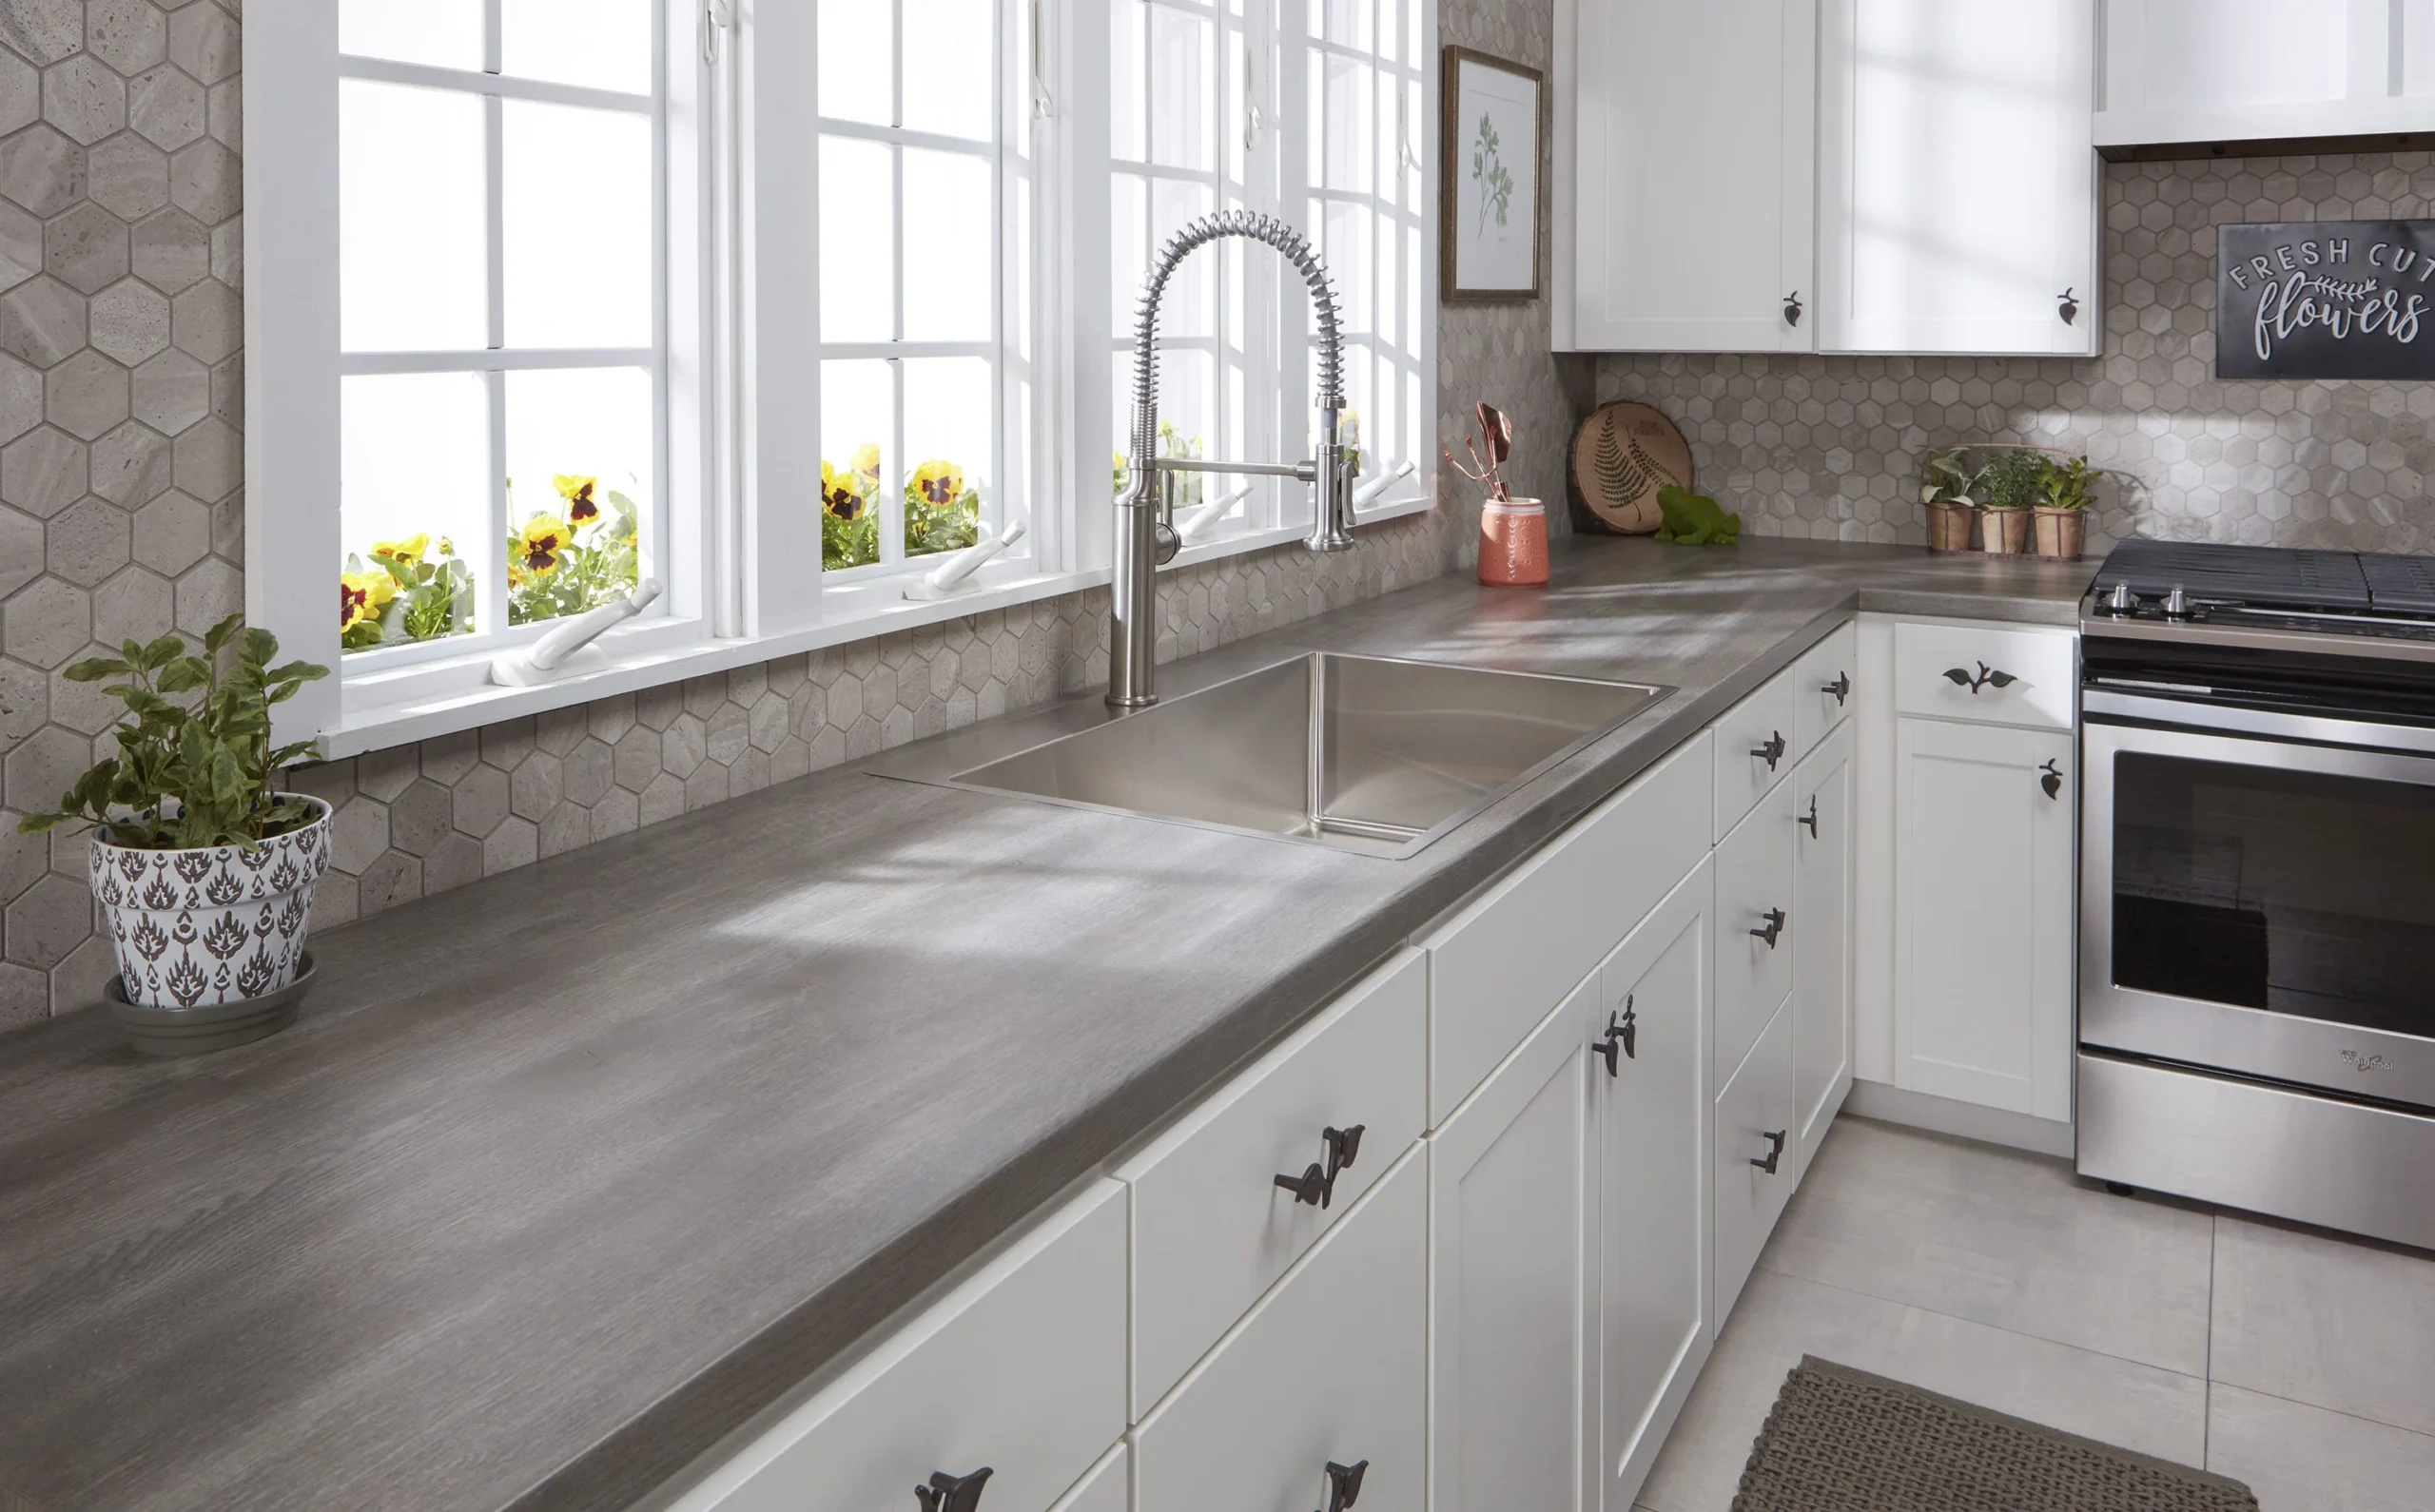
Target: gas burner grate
(2401, 585)
(2263, 576)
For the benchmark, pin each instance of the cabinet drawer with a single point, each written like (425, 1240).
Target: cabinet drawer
(1330, 1367)
(1986, 673)
(1754, 1117)
(1019, 1369)
(1507, 959)
(1822, 688)
(1210, 1227)
(1754, 749)
(1754, 892)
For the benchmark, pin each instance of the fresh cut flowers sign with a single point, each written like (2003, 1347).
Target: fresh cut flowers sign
(2325, 299)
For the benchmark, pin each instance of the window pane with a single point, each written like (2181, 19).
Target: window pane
(858, 61)
(948, 269)
(949, 416)
(1347, 151)
(1180, 58)
(857, 242)
(1128, 113)
(1189, 306)
(857, 435)
(1129, 257)
(580, 461)
(604, 44)
(411, 220)
(948, 84)
(445, 33)
(413, 505)
(577, 198)
(1344, 244)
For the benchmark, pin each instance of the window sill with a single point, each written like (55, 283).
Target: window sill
(445, 697)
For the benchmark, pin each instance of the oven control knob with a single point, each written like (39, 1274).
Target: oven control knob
(2120, 601)
(2176, 605)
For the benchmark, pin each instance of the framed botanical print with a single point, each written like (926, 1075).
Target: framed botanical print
(1490, 211)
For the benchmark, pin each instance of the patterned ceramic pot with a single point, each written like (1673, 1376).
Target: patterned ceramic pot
(217, 924)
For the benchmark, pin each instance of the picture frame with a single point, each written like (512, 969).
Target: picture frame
(1492, 216)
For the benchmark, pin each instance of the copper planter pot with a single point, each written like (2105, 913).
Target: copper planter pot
(2061, 533)
(1949, 527)
(2003, 533)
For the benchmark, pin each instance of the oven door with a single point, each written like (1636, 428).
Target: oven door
(2258, 894)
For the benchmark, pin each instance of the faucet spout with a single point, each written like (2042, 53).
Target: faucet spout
(1143, 536)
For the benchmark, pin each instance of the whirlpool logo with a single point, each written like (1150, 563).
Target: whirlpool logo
(2364, 1063)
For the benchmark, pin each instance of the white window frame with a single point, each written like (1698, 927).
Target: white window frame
(737, 512)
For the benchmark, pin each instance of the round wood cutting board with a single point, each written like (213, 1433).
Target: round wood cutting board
(1624, 452)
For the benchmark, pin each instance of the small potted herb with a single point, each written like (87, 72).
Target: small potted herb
(2066, 487)
(2008, 491)
(1945, 482)
(204, 871)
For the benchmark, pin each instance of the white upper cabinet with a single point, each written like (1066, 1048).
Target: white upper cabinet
(2216, 71)
(1957, 179)
(1691, 182)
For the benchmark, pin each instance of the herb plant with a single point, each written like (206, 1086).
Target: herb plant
(2012, 478)
(194, 773)
(1946, 477)
(2068, 484)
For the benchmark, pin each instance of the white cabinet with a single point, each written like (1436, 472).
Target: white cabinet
(1508, 1184)
(1822, 887)
(1756, 1165)
(1019, 1372)
(1822, 685)
(1691, 176)
(1758, 929)
(1958, 191)
(1650, 1117)
(1108, 1488)
(1754, 749)
(2215, 70)
(1985, 834)
(1330, 1369)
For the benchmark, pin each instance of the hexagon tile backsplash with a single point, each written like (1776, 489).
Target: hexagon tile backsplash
(1827, 447)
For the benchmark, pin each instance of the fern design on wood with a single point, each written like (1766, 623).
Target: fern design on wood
(1628, 472)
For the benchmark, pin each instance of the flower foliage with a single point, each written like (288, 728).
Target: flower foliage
(575, 557)
(193, 773)
(942, 513)
(849, 519)
(404, 594)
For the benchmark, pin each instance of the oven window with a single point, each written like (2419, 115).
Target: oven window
(2297, 892)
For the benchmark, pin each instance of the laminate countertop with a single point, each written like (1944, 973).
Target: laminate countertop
(564, 1175)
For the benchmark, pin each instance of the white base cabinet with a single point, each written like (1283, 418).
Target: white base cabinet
(1649, 1130)
(1985, 822)
(1822, 966)
(1756, 1165)
(1330, 1369)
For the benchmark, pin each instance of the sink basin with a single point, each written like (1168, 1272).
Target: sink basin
(1356, 753)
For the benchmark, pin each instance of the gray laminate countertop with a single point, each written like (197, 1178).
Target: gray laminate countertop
(564, 1174)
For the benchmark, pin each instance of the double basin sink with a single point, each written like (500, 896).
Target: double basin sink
(1359, 753)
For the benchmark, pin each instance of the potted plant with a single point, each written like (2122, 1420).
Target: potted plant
(1945, 482)
(2008, 491)
(204, 871)
(2062, 514)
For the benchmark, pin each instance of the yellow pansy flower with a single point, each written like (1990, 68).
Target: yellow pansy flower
(841, 494)
(866, 460)
(941, 483)
(361, 596)
(408, 551)
(540, 545)
(576, 489)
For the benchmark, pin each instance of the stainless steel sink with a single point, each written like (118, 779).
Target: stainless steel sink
(1356, 753)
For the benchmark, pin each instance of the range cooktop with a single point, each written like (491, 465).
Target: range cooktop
(2324, 591)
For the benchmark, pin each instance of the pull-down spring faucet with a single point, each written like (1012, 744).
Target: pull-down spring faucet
(1145, 535)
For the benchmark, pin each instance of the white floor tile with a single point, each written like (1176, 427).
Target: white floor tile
(2327, 1322)
(1782, 1317)
(2303, 1459)
(2002, 1238)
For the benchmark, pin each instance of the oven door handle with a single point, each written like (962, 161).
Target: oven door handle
(2103, 705)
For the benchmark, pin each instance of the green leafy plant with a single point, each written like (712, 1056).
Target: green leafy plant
(2012, 478)
(1489, 172)
(2070, 483)
(1946, 477)
(404, 594)
(193, 773)
(576, 559)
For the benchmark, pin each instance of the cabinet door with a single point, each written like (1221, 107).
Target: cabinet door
(1821, 962)
(1509, 1195)
(1758, 925)
(1107, 1488)
(1754, 1158)
(1650, 1122)
(1330, 1367)
(1985, 821)
(2211, 70)
(1957, 178)
(1695, 131)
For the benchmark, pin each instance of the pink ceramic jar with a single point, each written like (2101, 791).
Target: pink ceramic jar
(1513, 543)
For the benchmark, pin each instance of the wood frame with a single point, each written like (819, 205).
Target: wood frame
(1448, 290)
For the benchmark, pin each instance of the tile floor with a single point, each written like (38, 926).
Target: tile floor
(2299, 1363)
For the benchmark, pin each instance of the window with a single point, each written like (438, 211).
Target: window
(776, 305)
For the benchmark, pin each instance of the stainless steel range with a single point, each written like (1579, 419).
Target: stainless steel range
(2257, 914)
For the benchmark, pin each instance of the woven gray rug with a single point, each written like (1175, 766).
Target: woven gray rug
(1842, 1440)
